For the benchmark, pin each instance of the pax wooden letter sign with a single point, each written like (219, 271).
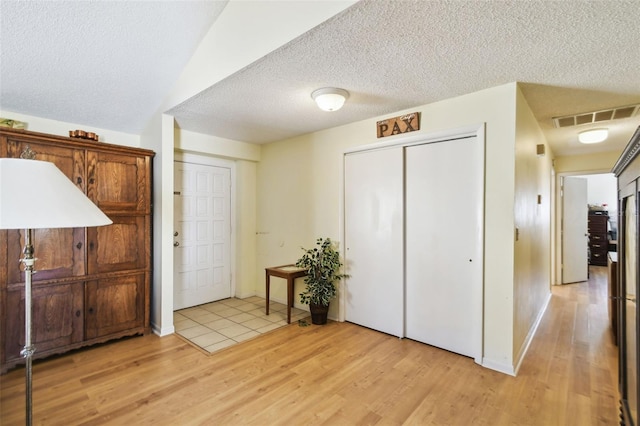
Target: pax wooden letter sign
(401, 124)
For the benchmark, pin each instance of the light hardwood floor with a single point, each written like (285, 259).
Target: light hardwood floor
(338, 374)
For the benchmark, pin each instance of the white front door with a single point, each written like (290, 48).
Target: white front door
(574, 230)
(202, 234)
(444, 244)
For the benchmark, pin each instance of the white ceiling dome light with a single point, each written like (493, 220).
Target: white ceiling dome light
(330, 98)
(593, 136)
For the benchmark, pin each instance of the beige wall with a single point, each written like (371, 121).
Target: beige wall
(299, 198)
(158, 136)
(532, 261)
(245, 233)
(194, 142)
(61, 128)
(598, 162)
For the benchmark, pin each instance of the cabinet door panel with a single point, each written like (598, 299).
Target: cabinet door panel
(117, 247)
(117, 183)
(60, 252)
(114, 305)
(70, 161)
(57, 317)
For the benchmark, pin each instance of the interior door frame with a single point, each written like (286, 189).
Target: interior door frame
(474, 130)
(231, 165)
(557, 238)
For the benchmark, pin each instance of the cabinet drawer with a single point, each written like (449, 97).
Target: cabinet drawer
(599, 257)
(598, 229)
(597, 223)
(598, 238)
(599, 246)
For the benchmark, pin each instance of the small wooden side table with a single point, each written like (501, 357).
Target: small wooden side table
(290, 273)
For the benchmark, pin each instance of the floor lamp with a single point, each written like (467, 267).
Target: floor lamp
(36, 194)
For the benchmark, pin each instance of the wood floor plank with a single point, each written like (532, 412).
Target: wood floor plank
(338, 374)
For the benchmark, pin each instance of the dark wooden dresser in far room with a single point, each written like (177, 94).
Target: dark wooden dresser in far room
(598, 238)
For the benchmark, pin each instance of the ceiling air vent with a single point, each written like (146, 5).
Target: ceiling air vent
(596, 116)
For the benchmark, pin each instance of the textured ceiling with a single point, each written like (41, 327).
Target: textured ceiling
(392, 55)
(572, 56)
(106, 64)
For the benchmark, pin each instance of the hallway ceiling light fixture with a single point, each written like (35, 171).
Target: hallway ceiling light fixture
(593, 136)
(330, 98)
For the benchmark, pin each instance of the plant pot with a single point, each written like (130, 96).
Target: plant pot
(318, 314)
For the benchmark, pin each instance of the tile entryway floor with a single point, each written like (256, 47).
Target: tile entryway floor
(220, 324)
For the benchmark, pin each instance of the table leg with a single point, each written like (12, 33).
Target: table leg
(267, 284)
(289, 298)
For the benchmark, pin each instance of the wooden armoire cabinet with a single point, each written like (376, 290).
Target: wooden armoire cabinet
(91, 284)
(627, 170)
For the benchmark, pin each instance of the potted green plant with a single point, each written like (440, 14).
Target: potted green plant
(323, 271)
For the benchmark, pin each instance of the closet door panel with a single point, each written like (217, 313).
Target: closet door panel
(444, 234)
(374, 239)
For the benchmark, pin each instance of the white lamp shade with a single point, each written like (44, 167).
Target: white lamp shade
(36, 194)
(330, 98)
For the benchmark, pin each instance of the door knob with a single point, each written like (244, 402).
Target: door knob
(176, 244)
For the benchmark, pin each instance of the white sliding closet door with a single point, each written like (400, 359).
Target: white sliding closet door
(374, 239)
(444, 235)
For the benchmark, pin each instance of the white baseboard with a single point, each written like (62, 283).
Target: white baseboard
(284, 302)
(498, 366)
(245, 295)
(162, 331)
(510, 369)
(532, 332)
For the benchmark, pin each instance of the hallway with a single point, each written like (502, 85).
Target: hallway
(573, 358)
